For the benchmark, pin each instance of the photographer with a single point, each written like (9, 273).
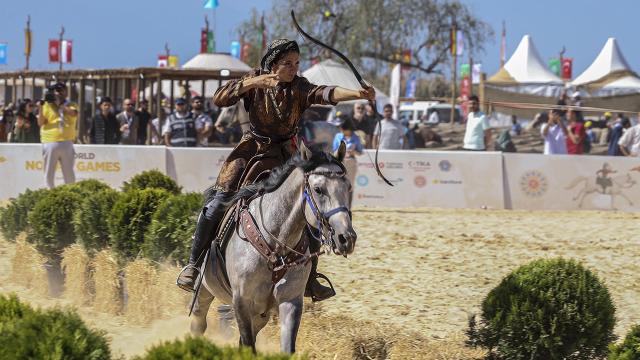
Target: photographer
(57, 119)
(555, 134)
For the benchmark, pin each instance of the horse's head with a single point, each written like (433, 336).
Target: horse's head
(326, 194)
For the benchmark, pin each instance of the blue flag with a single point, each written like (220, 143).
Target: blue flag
(211, 4)
(3, 54)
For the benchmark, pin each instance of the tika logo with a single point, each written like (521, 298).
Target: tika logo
(3, 159)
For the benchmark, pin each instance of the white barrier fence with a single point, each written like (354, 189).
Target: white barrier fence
(421, 178)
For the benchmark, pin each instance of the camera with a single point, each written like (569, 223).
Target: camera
(49, 96)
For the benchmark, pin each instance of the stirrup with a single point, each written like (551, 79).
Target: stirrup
(315, 298)
(185, 287)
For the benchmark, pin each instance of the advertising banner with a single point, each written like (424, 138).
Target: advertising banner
(21, 165)
(195, 169)
(566, 182)
(430, 179)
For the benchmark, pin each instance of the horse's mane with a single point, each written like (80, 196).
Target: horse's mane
(279, 174)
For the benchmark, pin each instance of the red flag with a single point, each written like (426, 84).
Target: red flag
(163, 61)
(567, 65)
(204, 41)
(54, 51)
(66, 50)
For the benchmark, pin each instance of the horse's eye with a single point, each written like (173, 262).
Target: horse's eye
(318, 190)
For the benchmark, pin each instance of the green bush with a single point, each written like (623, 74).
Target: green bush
(129, 218)
(172, 225)
(152, 179)
(51, 228)
(13, 217)
(630, 347)
(90, 219)
(201, 348)
(86, 187)
(547, 309)
(47, 334)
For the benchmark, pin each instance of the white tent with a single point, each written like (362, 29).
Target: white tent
(213, 62)
(526, 72)
(330, 72)
(609, 74)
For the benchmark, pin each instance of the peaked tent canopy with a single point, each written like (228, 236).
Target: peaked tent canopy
(330, 72)
(214, 62)
(526, 66)
(609, 74)
(525, 72)
(217, 61)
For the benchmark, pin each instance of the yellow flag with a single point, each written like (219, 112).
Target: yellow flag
(27, 42)
(173, 61)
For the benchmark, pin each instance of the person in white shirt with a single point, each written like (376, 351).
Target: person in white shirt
(478, 133)
(555, 134)
(434, 118)
(630, 141)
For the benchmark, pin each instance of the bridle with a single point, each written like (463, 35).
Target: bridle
(283, 257)
(323, 227)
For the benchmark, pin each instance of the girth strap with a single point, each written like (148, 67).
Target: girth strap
(277, 264)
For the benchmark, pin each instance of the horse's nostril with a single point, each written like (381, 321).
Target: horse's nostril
(342, 239)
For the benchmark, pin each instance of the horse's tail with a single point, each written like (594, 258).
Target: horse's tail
(575, 182)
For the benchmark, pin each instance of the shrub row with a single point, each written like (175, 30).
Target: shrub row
(150, 214)
(29, 333)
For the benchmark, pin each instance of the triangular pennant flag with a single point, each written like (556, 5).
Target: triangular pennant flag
(211, 4)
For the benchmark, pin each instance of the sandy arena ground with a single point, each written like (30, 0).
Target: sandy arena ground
(425, 270)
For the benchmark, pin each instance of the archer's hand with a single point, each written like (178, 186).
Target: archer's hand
(368, 93)
(265, 81)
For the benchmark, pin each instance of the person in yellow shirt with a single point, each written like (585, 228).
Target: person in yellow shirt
(57, 119)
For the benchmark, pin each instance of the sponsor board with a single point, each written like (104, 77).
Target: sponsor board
(566, 182)
(195, 169)
(432, 179)
(111, 164)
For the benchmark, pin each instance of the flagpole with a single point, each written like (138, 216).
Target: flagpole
(60, 47)
(454, 54)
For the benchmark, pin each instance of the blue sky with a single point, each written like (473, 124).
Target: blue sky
(119, 33)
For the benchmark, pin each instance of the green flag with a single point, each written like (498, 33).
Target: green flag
(465, 70)
(211, 43)
(554, 66)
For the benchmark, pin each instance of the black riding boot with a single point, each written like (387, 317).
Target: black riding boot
(315, 290)
(208, 222)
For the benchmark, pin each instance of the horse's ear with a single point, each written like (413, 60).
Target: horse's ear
(304, 151)
(342, 150)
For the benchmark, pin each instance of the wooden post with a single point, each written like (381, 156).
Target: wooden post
(171, 92)
(14, 90)
(152, 99)
(204, 94)
(24, 85)
(138, 82)
(81, 118)
(481, 93)
(107, 88)
(93, 100)
(33, 88)
(159, 98)
(454, 55)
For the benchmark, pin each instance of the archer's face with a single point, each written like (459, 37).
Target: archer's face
(287, 67)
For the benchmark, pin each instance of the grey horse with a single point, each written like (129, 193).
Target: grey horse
(310, 189)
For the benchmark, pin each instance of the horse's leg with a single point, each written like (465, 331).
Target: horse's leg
(290, 316)
(245, 325)
(200, 310)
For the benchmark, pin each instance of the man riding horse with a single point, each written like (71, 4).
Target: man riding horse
(275, 98)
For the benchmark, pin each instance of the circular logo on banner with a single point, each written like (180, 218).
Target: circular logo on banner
(444, 165)
(420, 181)
(533, 183)
(362, 180)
